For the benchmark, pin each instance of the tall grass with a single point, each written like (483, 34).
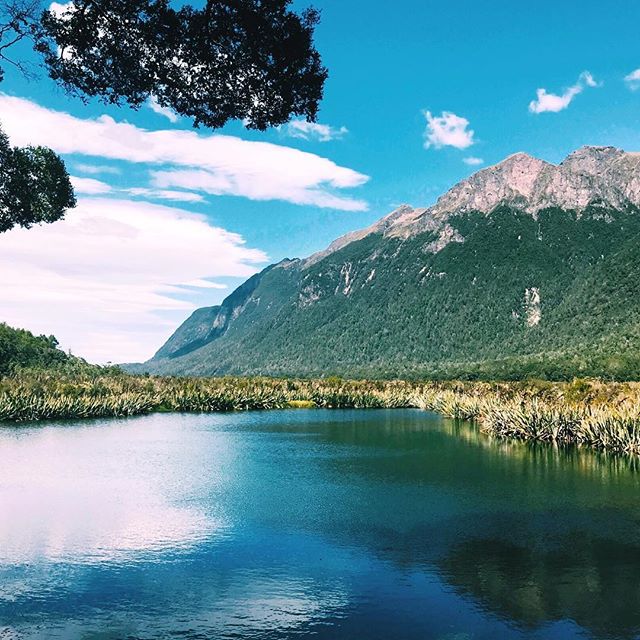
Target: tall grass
(605, 416)
(592, 413)
(47, 395)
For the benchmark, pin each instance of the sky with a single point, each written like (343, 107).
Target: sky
(420, 95)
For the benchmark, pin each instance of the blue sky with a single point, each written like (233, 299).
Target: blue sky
(389, 65)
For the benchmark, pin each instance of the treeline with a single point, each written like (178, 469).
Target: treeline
(19, 349)
(610, 364)
(22, 350)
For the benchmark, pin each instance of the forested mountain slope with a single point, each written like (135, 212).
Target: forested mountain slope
(524, 269)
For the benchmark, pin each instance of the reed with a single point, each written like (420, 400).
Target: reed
(592, 413)
(602, 416)
(38, 396)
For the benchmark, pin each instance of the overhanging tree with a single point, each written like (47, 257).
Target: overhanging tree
(252, 60)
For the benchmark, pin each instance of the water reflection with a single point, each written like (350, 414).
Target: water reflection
(591, 581)
(336, 525)
(71, 495)
(602, 464)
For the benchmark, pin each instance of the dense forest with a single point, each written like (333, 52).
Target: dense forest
(552, 296)
(518, 297)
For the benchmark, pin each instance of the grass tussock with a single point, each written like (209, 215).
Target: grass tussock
(605, 416)
(602, 415)
(29, 396)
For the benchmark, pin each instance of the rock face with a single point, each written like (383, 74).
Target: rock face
(525, 268)
(588, 176)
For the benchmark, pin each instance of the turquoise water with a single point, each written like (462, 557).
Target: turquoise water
(311, 524)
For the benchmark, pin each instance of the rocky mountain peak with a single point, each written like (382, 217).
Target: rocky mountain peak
(513, 180)
(589, 160)
(590, 175)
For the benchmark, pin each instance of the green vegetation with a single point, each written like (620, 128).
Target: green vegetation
(38, 381)
(601, 415)
(34, 186)
(20, 348)
(99, 392)
(591, 413)
(126, 52)
(387, 307)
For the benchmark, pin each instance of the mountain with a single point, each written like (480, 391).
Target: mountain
(524, 269)
(208, 323)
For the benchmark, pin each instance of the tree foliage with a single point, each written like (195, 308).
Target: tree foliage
(34, 186)
(233, 59)
(17, 22)
(20, 348)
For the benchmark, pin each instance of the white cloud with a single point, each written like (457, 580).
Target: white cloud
(447, 130)
(93, 187)
(199, 283)
(472, 161)
(256, 170)
(98, 278)
(59, 9)
(553, 103)
(156, 107)
(216, 184)
(94, 169)
(165, 194)
(89, 186)
(633, 80)
(313, 131)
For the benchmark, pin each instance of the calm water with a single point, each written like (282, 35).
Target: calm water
(311, 524)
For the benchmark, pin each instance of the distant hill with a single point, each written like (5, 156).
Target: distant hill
(524, 269)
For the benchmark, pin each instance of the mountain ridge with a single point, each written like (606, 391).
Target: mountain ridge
(520, 180)
(485, 274)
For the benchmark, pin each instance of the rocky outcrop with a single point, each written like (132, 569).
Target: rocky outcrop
(604, 176)
(590, 175)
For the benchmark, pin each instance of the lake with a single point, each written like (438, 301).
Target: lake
(369, 524)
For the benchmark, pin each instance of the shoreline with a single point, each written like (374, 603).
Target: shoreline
(601, 415)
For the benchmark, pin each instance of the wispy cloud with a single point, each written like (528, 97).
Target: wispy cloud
(447, 130)
(472, 161)
(550, 102)
(92, 187)
(165, 194)
(217, 184)
(96, 169)
(232, 166)
(89, 186)
(633, 80)
(167, 113)
(313, 131)
(105, 272)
